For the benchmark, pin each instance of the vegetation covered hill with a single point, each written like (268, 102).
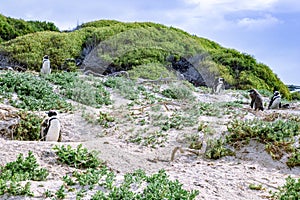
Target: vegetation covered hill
(135, 47)
(11, 28)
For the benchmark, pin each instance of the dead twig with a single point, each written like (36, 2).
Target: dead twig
(165, 103)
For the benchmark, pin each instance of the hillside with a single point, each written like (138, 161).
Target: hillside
(11, 28)
(107, 46)
(226, 150)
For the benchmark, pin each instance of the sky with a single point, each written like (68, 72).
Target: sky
(269, 30)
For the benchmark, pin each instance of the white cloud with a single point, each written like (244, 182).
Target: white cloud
(221, 15)
(233, 5)
(258, 23)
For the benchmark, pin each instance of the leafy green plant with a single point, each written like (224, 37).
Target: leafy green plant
(255, 187)
(216, 149)
(125, 87)
(291, 190)
(105, 119)
(294, 159)
(23, 169)
(276, 134)
(33, 92)
(60, 193)
(181, 92)
(177, 120)
(153, 139)
(78, 158)
(48, 194)
(90, 176)
(160, 187)
(28, 128)
(15, 188)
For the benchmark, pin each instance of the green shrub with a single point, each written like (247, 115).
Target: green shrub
(28, 50)
(23, 169)
(296, 96)
(294, 159)
(151, 71)
(181, 92)
(127, 88)
(34, 93)
(278, 130)
(81, 89)
(277, 135)
(12, 28)
(78, 158)
(28, 128)
(216, 149)
(291, 190)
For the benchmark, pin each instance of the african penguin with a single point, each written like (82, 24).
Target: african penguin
(46, 66)
(275, 101)
(256, 100)
(218, 86)
(51, 128)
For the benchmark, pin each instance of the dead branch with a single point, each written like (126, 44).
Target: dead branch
(165, 103)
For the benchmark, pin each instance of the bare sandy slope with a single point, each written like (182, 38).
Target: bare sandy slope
(226, 178)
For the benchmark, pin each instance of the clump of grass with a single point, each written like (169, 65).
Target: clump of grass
(181, 92)
(81, 89)
(153, 139)
(127, 88)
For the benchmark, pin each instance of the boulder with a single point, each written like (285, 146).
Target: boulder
(189, 72)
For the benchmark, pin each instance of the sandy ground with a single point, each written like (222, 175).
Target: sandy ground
(226, 178)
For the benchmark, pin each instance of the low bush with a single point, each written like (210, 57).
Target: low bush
(277, 135)
(78, 158)
(28, 128)
(22, 169)
(33, 93)
(291, 190)
(80, 89)
(181, 92)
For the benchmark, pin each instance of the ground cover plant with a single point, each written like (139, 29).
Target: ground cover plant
(102, 181)
(278, 136)
(33, 92)
(291, 190)
(28, 128)
(23, 169)
(85, 90)
(78, 158)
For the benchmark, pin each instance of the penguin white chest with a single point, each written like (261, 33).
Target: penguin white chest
(46, 67)
(53, 131)
(276, 103)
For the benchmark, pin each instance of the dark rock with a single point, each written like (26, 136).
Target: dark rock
(189, 72)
